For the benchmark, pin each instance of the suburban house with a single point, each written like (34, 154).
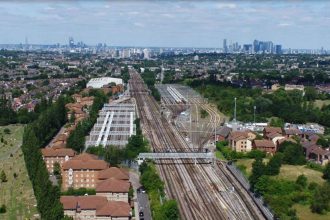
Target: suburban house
(291, 132)
(314, 152)
(264, 145)
(223, 133)
(282, 140)
(113, 189)
(82, 171)
(270, 132)
(59, 155)
(95, 207)
(241, 141)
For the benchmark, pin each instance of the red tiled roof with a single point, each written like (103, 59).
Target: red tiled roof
(264, 143)
(85, 161)
(114, 209)
(83, 202)
(97, 203)
(280, 141)
(273, 130)
(113, 185)
(113, 172)
(292, 131)
(273, 135)
(238, 135)
(60, 152)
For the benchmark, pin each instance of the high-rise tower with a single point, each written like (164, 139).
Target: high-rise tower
(225, 48)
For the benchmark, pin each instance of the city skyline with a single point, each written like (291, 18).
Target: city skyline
(294, 24)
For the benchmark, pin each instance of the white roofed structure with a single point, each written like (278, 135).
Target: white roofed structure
(102, 81)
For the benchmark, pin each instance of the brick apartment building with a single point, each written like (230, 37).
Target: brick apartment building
(59, 155)
(82, 171)
(95, 207)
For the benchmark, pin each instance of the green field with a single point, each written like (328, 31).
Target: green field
(288, 172)
(16, 193)
(320, 103)
(304, 213)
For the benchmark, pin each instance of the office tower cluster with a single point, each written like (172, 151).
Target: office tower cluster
(257, 47)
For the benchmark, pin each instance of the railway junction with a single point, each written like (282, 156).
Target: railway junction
(202, 190)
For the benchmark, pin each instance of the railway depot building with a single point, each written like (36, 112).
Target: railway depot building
(114, 125)
(95, 207)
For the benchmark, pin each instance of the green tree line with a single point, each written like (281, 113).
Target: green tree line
(161, 207)
(36, 135)
(290, 106)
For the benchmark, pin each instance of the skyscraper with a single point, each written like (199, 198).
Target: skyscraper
(225, 48)
(71, 42)
(256, 46)
(278, 49)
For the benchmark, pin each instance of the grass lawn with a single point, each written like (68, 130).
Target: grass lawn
(290, 172)
(304, 213)
(12, 140)
(320, 103)
(219, 155)
(17, 193)
(247, 163)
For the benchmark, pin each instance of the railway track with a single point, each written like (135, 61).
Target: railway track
(199, 189)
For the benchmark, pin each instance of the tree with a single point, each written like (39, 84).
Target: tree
(323, 142)
(57, 169)
(310, 93)
(292, 153)
(258, 169)
(72, 117)
(3, 177)
(274, 164)
(114, 155)
(170, 210)
(7, 131)
(321, 199)
(302, 181)
(326, 172)
(3, 209)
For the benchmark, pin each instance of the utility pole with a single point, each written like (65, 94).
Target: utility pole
(235, 111)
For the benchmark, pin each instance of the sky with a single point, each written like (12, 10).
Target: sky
(292, 23)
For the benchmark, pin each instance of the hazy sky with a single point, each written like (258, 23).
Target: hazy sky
(292, 23)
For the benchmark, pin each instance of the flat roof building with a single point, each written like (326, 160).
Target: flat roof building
(98, 83)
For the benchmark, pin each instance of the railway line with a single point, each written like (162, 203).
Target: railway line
(202, 191)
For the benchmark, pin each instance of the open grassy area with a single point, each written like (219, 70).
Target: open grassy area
(17, 193)
(320, 103)
(10, 141)
(288, 172)
(304, 213)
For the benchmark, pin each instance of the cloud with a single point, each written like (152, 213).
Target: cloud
(284, 24)
(226, 6)
(138, 24)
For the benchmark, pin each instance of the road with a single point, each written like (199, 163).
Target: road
(143, 203)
